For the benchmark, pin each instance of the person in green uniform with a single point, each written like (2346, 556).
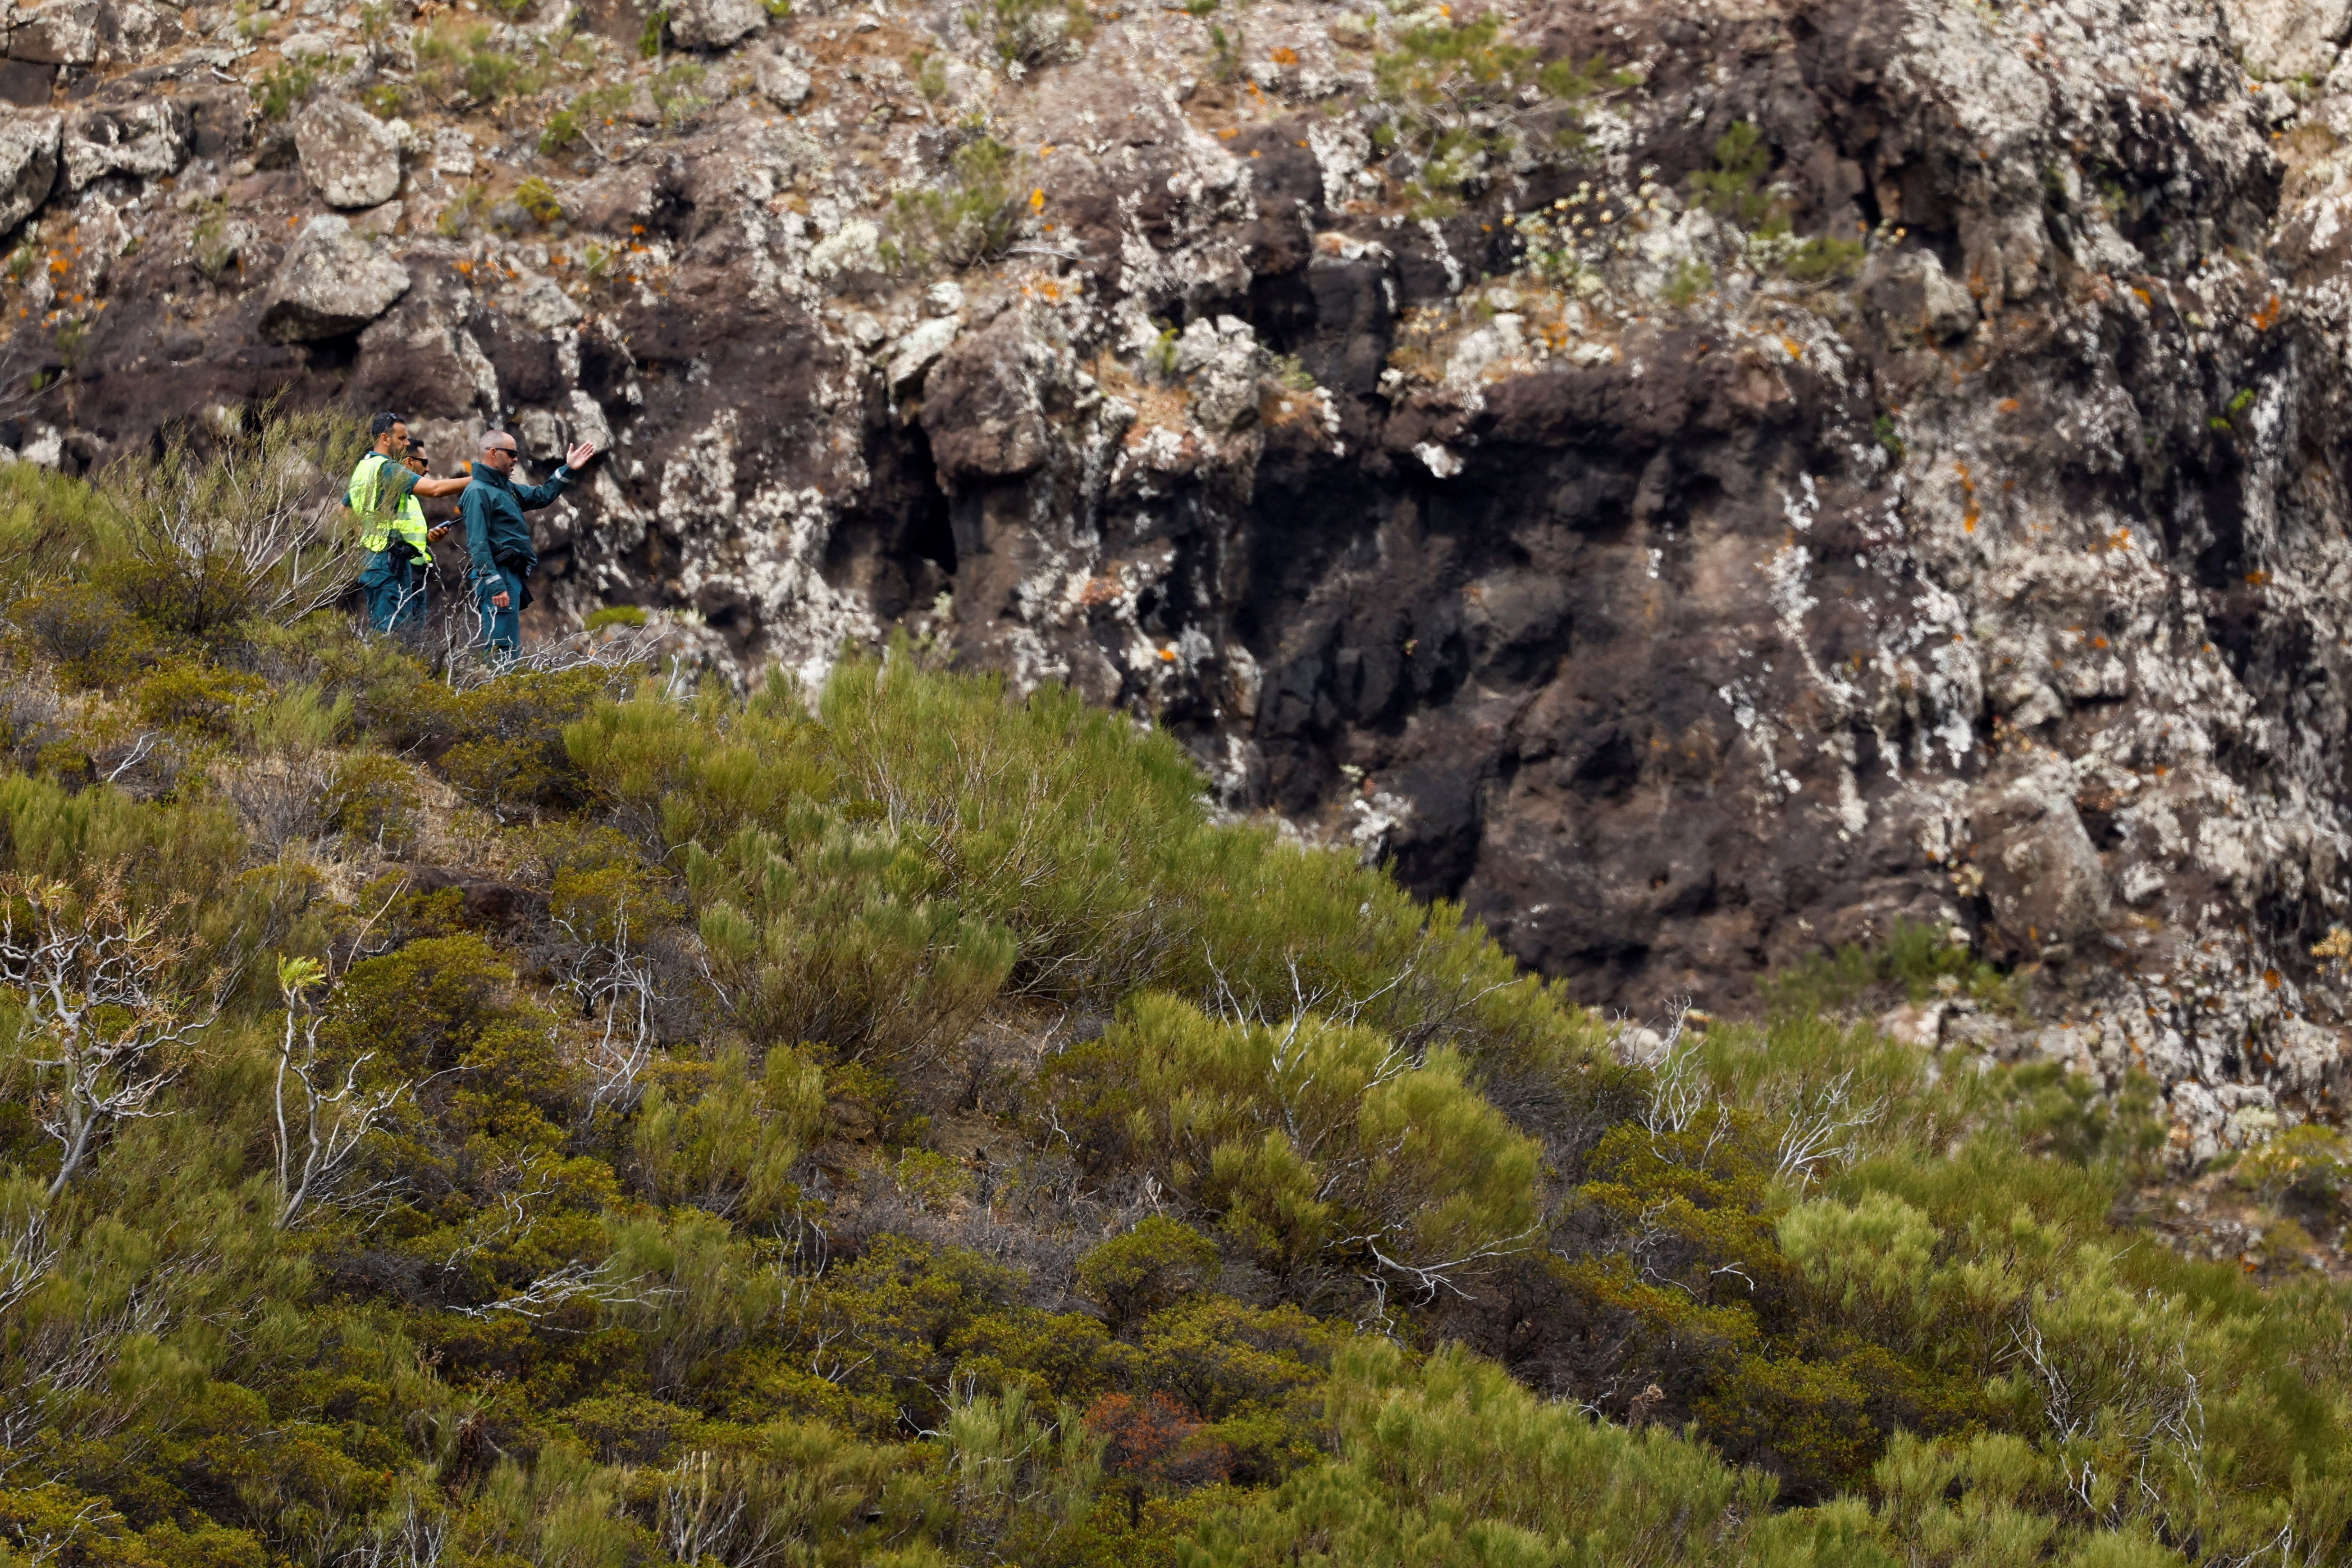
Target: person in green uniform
(497, 536)
(384, 491)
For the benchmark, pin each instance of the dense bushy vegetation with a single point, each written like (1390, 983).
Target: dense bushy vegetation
(560, 1117)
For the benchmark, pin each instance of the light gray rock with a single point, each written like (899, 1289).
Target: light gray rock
(913, 355)
(349, 156)
(29, 163)
(147, 138)
(453, 153)
(61, 33)
(540, 433)
(544, 307)
(715, 23)
(781, 82)
(2287, 38)
(331, 282)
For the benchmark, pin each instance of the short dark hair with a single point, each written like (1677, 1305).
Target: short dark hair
(382, 422)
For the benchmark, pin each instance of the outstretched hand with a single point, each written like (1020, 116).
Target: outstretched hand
(578, 456)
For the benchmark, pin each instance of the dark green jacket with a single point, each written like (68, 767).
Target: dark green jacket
(496, 533)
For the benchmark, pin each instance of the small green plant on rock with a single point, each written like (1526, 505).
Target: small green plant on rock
(970, 219)
(1823, 258)
(677, 90)
(284, 87)
(1691, 282)
(1462, 101)
(1734, 188)
(930, 74)
(1737, 189)
(1029, 33)
(537, 197)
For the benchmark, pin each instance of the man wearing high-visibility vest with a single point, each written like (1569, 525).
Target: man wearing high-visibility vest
(384, 492)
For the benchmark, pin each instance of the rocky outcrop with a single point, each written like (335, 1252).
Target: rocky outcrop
(331, 283)
(143, 139)
(1837, 463)
(28, 164)
(349, 156)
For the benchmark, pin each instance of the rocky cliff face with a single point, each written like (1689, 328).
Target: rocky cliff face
(1694, 481)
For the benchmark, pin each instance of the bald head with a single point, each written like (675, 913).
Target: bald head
(498, 450)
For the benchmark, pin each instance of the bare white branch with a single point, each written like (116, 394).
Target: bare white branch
(94, 984)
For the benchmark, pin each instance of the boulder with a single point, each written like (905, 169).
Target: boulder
(61, 33)
(984, 413)
(349, 156)
(781, 82)
(29, 163)
(330, 283)
(2042, 874)
(146, 138)
(715, 23)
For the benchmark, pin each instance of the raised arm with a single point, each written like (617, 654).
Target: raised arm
(448, 485)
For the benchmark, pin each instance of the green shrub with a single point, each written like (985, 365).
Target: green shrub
(1453, 1463)
(183, 694)
(1154, 1266)
(1313, 1145)
(731, 1150)
(842, 943)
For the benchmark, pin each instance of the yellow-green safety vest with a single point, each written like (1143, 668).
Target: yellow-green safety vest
(365, 496)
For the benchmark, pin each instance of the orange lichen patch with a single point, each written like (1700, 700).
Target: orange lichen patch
(1046, 151)
(2272, 978)
(1167, 655)
(1101, 590)
(465, 267)
(1796, 349)
(1283, 57)
(2267, 315)
(2098, 642)
(1037, 200)
(2259, 579)
(1968, 513)
(2145, 296)
(2008, 406)
(1228, 133)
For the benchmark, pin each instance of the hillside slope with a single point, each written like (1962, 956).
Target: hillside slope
(1700, 483)
(569, 1114)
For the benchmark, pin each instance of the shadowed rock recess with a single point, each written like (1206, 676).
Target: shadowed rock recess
(1726, 480)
